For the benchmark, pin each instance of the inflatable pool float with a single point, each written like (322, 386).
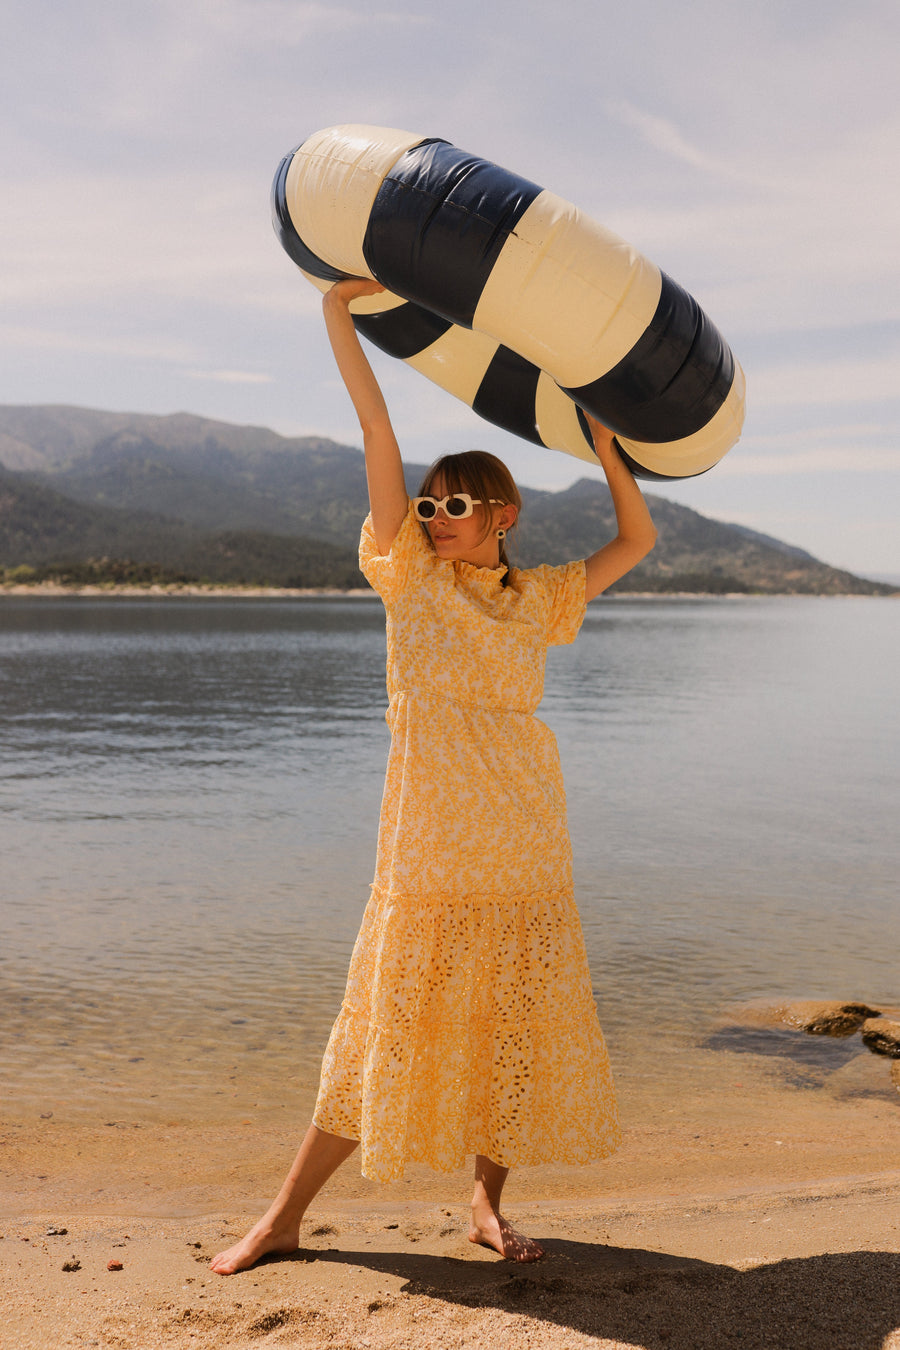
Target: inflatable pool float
(511, 298)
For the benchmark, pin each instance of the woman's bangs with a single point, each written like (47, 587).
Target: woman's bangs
(473, 471)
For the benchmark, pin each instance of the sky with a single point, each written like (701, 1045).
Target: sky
(750, 150)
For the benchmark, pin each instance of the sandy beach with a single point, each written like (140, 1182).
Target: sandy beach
(761, 1231)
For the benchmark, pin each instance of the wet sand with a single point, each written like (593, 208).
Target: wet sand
(776, 1224)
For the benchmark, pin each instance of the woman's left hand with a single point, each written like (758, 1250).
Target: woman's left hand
(600, 434)
(637, 533)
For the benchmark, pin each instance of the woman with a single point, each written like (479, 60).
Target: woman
(468, 1024)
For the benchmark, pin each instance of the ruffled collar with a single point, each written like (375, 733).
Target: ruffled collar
(486, 581)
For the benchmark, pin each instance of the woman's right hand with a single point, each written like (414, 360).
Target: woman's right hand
(352, 288)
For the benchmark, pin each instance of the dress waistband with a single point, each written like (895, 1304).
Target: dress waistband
(424, 695)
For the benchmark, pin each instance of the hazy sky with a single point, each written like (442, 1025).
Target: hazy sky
(751, 150)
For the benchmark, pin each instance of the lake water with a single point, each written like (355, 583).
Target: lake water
(189, 797)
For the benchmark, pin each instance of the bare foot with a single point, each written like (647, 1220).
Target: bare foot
(262, 1240)
(492, 1230)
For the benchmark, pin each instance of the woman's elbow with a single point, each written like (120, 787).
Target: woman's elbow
(645, 542)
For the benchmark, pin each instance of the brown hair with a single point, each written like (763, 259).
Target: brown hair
(480, 474)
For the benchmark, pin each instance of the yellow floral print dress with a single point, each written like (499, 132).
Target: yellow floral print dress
(468, 1023)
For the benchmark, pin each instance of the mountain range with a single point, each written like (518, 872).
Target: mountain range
(89, 494)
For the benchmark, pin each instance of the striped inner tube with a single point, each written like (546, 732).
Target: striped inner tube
(511, 299)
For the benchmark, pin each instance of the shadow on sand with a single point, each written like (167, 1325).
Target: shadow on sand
(849, 1301)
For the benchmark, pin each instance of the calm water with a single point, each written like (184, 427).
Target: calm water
(189, 795)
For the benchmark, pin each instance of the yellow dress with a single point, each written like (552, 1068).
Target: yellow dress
(468, 1023)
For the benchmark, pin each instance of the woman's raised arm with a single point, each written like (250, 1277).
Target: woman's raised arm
(384, 468)
(637, 533)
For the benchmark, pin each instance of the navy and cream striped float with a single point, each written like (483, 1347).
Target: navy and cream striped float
(510, 298)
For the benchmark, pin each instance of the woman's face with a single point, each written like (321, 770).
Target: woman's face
(469, 540)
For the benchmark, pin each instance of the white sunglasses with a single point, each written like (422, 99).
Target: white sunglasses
(456, 505)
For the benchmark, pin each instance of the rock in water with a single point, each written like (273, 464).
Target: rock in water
(816, 1019)
(882, 1036)
(834, 1019)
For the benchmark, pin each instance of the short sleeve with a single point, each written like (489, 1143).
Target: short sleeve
(388, 573)
(564, 588)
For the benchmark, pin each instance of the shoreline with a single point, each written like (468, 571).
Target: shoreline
(211, 591)
(187, 590)
(115, 1158)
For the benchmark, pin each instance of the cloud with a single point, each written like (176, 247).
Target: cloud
(833, 382)
(168, 349)
(230, 376)
(665, 136)
(126, 241)
(847, 459)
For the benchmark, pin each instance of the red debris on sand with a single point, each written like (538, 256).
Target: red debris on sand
(114, 1265)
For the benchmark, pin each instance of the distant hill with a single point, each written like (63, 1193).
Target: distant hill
(45, 437)
(44, 533)
(197, 498)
